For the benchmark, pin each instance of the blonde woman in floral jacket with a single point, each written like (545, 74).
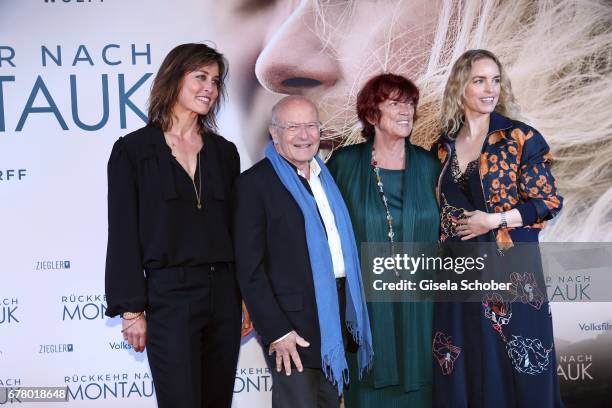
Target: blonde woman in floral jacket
(495, 187)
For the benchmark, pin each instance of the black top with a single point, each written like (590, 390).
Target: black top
(153, 219)
(463, 179)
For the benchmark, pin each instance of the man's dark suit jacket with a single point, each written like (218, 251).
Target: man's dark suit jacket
(272, 262)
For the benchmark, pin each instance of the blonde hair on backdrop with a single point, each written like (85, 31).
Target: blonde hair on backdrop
(558, 54)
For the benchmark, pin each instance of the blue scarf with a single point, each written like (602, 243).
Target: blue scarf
(332, 348)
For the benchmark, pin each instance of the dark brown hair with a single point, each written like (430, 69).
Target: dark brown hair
(379, 89)
(166, 87)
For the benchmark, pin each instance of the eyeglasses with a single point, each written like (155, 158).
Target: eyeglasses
(294, 128)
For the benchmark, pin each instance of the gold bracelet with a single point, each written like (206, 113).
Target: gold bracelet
(133, 323)
(131, 315)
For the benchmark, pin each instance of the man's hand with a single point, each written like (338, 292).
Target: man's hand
(286, 351)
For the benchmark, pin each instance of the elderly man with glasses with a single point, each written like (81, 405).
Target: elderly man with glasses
(297, 264)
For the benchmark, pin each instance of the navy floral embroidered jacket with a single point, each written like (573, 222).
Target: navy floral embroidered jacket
(515, 172)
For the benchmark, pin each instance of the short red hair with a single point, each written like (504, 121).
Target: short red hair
(378, 89)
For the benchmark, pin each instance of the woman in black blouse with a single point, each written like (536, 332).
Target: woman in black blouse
(169, 264)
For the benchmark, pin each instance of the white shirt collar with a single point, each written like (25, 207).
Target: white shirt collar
(315, 169)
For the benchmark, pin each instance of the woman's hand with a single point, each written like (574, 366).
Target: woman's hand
(247, 325)
(476, 223)
(135, 332)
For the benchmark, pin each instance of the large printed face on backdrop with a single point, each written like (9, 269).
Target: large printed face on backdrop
(324, 50)
(327, 49)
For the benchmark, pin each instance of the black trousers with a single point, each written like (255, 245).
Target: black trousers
(193, 339)
(308, 389)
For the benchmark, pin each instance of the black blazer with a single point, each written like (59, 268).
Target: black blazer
(272, 262)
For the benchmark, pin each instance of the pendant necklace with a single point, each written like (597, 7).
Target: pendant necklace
(383, 197)
(198, 193)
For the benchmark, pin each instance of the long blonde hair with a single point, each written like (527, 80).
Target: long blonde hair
(451, 113)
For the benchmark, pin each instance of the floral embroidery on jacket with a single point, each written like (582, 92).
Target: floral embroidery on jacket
(528, 356)
(525, 288)
(497, 311)
(449, 219)
(445, 352)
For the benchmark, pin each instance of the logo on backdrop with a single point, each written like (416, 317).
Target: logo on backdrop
(7, 384)
(595, 327)
(119, 345)
(109, 386)
(570, 288)
(9, 307)
(51, 265)
(575, 367)
(83, 307)
(253, 379)
(10, 382)
(42, 99)
(55, 348)
(12, 174)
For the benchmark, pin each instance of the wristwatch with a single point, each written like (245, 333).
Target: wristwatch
(503, 223)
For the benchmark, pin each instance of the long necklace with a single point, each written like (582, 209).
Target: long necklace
(383, 197)
(198, 193)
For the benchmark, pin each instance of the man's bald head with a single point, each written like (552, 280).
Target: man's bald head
(295, 130)
(289, 103)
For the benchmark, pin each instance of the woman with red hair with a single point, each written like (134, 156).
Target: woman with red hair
(388, 186)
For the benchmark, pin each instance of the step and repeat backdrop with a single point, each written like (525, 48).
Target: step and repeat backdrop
(75, 75)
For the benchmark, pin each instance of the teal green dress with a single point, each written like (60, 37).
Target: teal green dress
(401, 375)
